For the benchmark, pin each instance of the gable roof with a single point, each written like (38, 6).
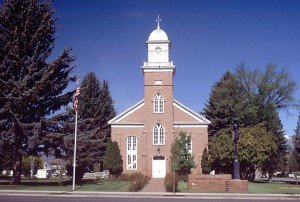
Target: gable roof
(198, 118)
(127, 112)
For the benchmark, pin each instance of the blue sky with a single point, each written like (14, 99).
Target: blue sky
(208, 38)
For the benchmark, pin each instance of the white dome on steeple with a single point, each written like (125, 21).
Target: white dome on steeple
(158, 35)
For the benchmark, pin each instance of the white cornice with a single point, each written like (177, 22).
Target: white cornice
(128, 125)
(198, 117)
(158, 69)
(190, 126)
(126, 113)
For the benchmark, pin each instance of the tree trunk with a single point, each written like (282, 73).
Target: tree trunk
(17, 171)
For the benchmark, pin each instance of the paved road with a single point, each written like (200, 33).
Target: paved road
(135, 199)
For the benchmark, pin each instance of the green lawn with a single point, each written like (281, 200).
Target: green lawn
(122, 186)
(254, 188)
(273, 188)
(52, 185)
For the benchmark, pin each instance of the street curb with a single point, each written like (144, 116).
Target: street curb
(149, 195)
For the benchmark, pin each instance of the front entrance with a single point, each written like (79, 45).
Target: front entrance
(159, 167)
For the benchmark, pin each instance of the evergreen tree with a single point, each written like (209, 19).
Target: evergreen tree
(31, 88)
(112, 159)
(294, 157)
(226, 104)
(95, 108)
(296, 138)
(205, 162)
(294, 163)
(181, 160)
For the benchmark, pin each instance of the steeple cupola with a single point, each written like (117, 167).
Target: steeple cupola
(158, 46)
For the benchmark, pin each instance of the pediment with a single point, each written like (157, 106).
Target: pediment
(133, 115)
(185, 116)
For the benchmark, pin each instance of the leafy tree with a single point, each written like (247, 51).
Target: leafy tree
(95, 108)
(31, 88)
(270, 91)
(181, 160)
(205, 162)
(37, 164)
(255, 146)
(112, 159)
(250, 97)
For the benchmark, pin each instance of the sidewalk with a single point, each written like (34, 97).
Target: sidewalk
(155, 185)
(152, 195)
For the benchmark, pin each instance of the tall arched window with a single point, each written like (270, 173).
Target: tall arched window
(158, 134)
(158, 104)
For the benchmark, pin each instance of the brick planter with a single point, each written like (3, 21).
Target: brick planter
(237, 185)
(217, 183)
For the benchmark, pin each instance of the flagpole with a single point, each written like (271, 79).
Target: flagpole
(75, 144)
(75, 135)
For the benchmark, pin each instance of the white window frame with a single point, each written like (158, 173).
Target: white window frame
(158, 103)
(158, 134)
(189, 146)
(131, 157)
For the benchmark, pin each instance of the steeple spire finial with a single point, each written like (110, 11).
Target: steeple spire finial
(158, 20)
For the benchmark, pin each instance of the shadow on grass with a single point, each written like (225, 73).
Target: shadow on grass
(48, 182)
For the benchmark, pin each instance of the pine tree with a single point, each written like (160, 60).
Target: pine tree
(112, 159)
(294, 160)
(227, 104)
(297, 136)
(31, 88)
(95, 108)
(205, 162)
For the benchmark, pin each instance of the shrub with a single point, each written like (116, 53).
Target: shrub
(112, 159)
(138, 181)
(168, 182)
(183, 178)
(123, 177)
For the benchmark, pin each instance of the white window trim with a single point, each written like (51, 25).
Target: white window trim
(191, 150)
(131, 152)
(159, 128)
(158, 99)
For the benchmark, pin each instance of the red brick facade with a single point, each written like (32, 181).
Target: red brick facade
(139, 121)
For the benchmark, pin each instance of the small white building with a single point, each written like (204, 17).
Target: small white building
(44, 173)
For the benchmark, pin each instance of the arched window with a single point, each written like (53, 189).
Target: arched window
(158, 104)
(158, 134)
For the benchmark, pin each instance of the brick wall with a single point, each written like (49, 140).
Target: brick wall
(217, 183)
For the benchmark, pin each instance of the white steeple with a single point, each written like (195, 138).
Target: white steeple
(158, 46)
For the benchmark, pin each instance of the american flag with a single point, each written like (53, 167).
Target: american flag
(77, 94)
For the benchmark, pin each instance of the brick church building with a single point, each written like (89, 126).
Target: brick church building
(146, 130)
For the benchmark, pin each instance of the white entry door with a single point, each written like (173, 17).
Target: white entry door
(158, 167)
